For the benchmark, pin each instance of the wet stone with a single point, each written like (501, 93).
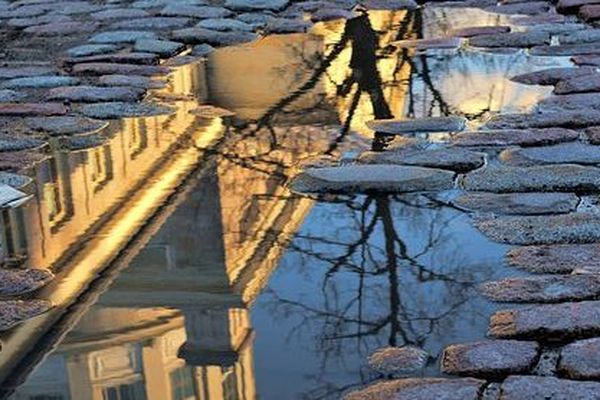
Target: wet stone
(431, 124)
(130, 80)
(590, 13)
(454, 159)
(14, 282)
(564, 153)
(525, 137)
(225, 24)
(202, 50)
(91, 50)
(256, 5)
(398, 360)
(479, 30)
(122, 37)
(548, 322)
(61, 28)
(390, 4)
(183, 10)
(591, 60)
(107, 68)
(24, 109)
(40, 20)
(8, 96)
(162, 3)
(573, 5)
(593, 135)
(118, 58)
(545, 178)
(119, 13)
(164, 48)
(16, 181)
(152, 23)
(37, 82)
(422, 44)
(542, 229)
(285, 25)
(566, 119)
(83, 142)
(58, 126)
(217, 38)
(566, 50)
(581, 360)
(23, 72)
(114, 110)
(372, 178)
(511, 39)
(95, 94)
(543, 289)
(330, 14)
(526, 8)
(538, 387)
(421, 389)
(587, 83)
(517, 203)
(571, 102)
(551, 76)
(582, 36)
(12, 143)
(555, 259)
(14, 312)
(490, 358)
(255, 18)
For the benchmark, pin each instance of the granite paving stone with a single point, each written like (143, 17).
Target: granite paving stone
(225, 24)
(564, 153)
(36, 82)
(93, 94)
(510, 137)
(581, 359)
(91, 50)
(511, 39)
(152, 23)
(398, 361)
(545, 178)
(517, 203)
(115, 110)
(555, 259)
(142, 58)
(67, 125)
(15, 282)
(200, 35)
(542, 229)
(121, 37)
(580, 84)
(24, 109)
(372, 178)
(548, 322)
(131, 80)
(490, 358)
(421, 389)
(548, 388)
(455, 159)
(552, 76)
(429, 124)
(543, 289)
(106, 68)
(163, 48)
(567, 119)
(183, 10)
(15, 312)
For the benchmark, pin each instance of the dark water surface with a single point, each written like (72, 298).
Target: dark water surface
(187, 270)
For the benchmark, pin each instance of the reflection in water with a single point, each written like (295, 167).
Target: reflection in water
(186, 268)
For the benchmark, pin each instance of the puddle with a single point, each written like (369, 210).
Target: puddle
(187, 270)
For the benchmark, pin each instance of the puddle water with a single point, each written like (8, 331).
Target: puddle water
(187, 270)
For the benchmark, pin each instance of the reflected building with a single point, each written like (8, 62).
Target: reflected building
(175, 323)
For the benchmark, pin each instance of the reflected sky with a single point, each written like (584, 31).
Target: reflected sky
(185, 267)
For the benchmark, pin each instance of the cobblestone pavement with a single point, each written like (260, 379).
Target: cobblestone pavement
(529, 180)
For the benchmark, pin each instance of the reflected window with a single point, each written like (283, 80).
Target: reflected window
(230, 391)
(101, 169)
(132, 391)
(182, 384)
(138, 141)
